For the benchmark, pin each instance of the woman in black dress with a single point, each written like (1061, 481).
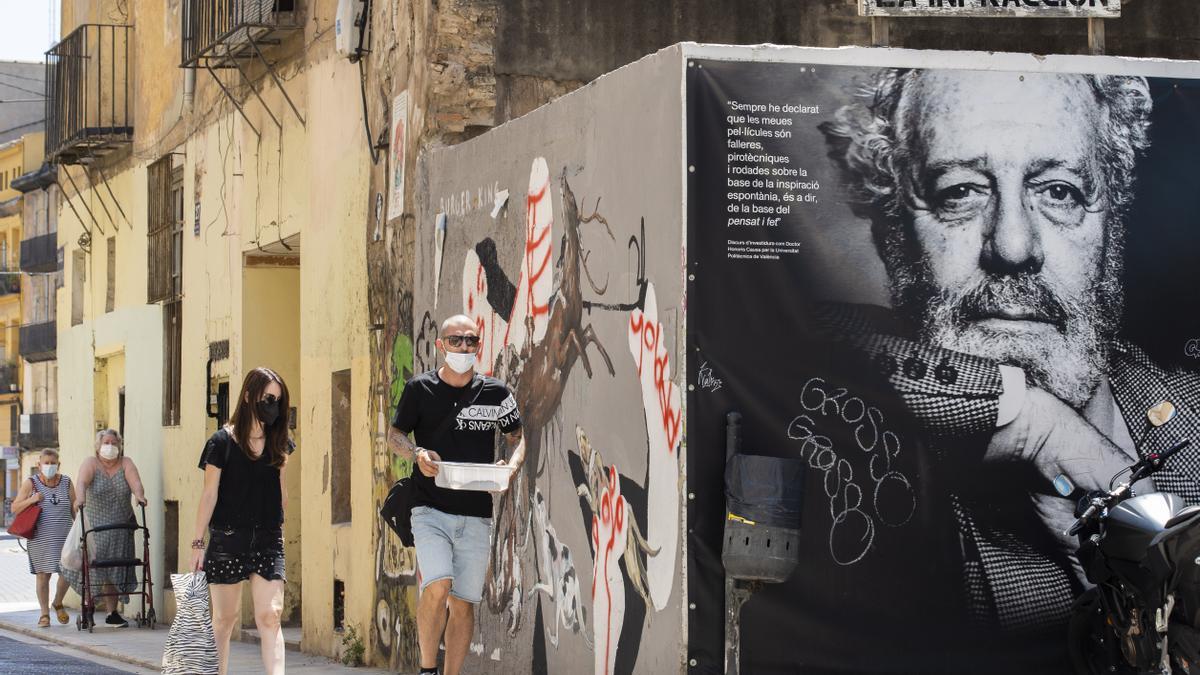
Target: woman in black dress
(241, 510)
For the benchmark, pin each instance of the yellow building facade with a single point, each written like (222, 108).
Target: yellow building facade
(12, 162)
(17, 158)
(213, 226)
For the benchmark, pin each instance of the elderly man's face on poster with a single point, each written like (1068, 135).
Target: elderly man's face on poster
(986, 269)
(1013, 254)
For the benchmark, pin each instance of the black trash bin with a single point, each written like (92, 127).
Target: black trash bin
(763, 498)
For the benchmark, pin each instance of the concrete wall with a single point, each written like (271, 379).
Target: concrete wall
(580, 39)
(471, 64)
(576, 286)
(333, 337)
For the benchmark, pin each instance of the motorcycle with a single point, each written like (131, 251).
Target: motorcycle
(1142, 553)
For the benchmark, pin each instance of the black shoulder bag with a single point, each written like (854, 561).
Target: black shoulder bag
(396, 510)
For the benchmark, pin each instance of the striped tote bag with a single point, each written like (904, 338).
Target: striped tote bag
(190, 648)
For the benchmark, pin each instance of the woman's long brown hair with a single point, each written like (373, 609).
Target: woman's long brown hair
(276, 444)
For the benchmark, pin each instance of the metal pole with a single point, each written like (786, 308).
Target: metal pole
(879, 31)
(737, 592)
(254, 91)
(232, 99)
(1095, 35)
(278, 84)
(79, 194)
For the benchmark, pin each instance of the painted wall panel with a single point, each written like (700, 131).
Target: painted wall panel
(562, 239)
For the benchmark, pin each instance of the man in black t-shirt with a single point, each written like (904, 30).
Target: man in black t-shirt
(453, 414)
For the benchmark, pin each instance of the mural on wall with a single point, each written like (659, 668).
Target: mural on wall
(538, 319)
(394, 352)
(663, 408)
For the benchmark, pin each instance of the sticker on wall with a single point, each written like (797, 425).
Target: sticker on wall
(399, 130)
(499, 202)
(196, 220)
(439, 239)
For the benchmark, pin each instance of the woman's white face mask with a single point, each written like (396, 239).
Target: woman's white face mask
(109, 451)
(49, 471)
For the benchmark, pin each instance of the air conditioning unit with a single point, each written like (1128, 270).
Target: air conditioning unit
(348, 27)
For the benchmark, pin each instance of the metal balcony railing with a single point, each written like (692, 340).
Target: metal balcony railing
(43, 432)
(88, 111)
(215, 31)
(40, 253)
(10, 280)
(39, 341)
(10, 378)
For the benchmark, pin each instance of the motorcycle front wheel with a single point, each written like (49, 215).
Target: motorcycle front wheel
(1184, 648)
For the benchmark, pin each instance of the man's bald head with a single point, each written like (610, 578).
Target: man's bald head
(457, 322)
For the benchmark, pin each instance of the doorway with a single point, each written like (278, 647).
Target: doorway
(271, 338)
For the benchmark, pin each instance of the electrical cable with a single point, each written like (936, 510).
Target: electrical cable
(26, 77)
(20, 88)
(359, 53)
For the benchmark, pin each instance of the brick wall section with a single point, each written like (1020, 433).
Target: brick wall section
(462, 77)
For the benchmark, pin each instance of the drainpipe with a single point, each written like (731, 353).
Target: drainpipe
(189, 88)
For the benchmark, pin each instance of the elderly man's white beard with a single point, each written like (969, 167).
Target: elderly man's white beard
(1069, 363)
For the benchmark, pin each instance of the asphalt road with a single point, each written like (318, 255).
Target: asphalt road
(30, 659)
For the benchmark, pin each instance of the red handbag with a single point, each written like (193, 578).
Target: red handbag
(24, 525)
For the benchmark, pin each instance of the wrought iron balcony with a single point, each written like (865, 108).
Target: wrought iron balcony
(43, 432)
(40, 253)
(10, 378)
(88, 111)
(218, 31)
(10, 280)
(39, 341)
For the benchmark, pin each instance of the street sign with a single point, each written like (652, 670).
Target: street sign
(10, 452)
(1101, 9)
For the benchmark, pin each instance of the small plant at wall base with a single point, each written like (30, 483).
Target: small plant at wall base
(353, 649)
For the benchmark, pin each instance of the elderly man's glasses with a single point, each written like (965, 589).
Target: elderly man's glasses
(456, 341)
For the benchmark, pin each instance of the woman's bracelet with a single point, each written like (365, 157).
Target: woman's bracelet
(198, 544)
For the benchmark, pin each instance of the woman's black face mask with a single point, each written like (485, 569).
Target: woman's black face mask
(267, 410)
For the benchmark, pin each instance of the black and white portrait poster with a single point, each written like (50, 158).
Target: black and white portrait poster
(954, 293)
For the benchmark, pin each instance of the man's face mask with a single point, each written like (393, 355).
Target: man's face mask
(461, 362)
(267, 410)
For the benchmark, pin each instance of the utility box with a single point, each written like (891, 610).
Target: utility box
(888, 261)
(348, 27)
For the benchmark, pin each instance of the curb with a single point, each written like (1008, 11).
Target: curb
(114, 656)
(250, 636)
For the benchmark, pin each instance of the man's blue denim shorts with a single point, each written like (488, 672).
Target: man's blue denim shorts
(452, 547)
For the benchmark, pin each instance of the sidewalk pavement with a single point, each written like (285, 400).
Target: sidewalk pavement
(144, 647)
(140, 647)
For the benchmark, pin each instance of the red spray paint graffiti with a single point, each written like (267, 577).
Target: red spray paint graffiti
(608, 585)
